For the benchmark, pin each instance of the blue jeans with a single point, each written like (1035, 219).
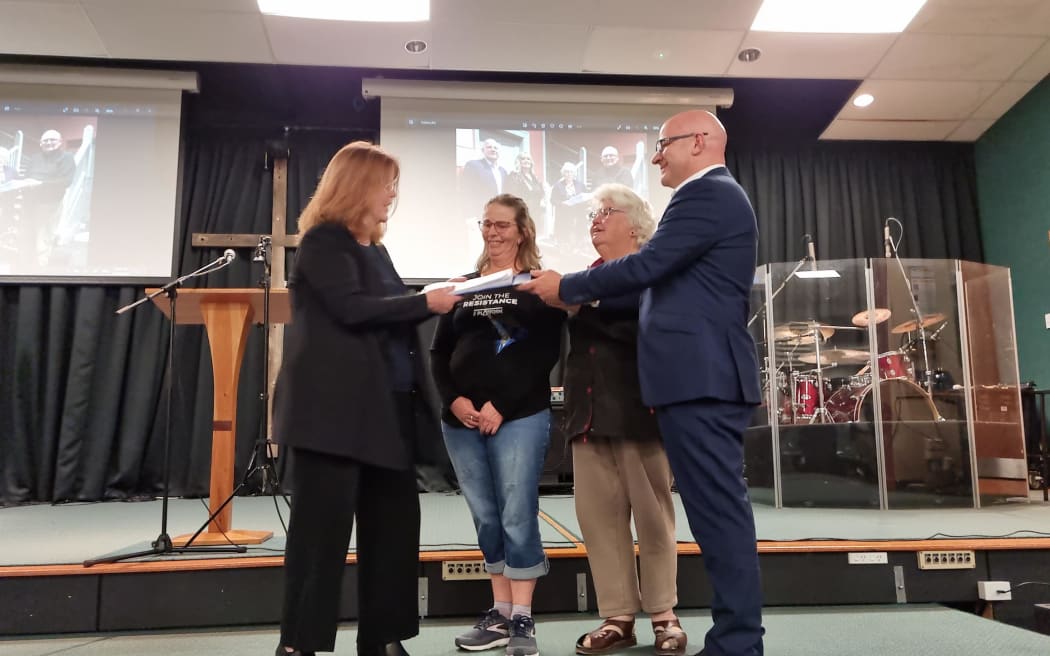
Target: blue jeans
(500, 476)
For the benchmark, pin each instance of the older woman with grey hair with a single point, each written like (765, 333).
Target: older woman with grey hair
(619, 462)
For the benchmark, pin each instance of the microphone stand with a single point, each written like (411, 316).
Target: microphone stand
(262, 460)
(928, 378)
(163, 544)
(777, 291)
(771, 375)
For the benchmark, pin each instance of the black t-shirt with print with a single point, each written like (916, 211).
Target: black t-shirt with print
(500, 346)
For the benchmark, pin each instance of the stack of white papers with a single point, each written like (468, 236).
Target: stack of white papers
(505, 278)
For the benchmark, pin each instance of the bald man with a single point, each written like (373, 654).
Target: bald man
(611, 170)
(54, 169)
(696, 361)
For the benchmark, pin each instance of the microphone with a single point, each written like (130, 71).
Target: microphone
(229, 255)
(887, 241)
(261, 249)
(811, 252)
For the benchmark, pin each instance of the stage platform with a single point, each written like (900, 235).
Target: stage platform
(822, 631)
(805, 553)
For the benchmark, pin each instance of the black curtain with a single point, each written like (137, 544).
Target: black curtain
(842, 193)
(83, 402)
(82, 391)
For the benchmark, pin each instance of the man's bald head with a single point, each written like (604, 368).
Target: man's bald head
(50, 141)
(692, 141)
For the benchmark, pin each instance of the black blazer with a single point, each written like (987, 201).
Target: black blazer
(333, 394)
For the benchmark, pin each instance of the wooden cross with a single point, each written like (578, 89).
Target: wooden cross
(279, 240)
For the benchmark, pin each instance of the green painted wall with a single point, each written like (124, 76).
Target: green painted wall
(1013, 187)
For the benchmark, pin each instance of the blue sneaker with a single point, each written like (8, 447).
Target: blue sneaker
(491, 631)
(522, 637)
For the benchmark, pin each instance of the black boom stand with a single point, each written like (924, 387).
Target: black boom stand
(163, 545)
(262, 464)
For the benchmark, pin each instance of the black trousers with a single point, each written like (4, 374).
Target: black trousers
(329, 492)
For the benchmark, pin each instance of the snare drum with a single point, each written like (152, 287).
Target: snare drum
(860, 381)
(895, 364)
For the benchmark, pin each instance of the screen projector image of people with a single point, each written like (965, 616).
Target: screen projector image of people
(447, 175)
(88, 182)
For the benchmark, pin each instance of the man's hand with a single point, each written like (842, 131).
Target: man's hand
(545, 284)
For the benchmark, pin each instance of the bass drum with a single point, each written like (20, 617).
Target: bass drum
(902, 400)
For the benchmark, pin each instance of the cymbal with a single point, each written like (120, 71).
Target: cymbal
(861, 318)
(840, 356)
(911, 325)
(811, 358)
(800, 332)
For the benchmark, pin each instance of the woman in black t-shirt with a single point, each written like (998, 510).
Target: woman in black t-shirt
(492, 358)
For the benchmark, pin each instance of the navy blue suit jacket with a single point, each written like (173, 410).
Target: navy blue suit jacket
(696, 273)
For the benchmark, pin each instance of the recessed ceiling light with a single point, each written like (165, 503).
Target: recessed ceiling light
(748, 55)
(836, 16)
(863, 100)
(387, 11)
(415, 46)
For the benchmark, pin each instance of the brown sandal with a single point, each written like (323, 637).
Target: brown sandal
(670, 638)
(612, 635)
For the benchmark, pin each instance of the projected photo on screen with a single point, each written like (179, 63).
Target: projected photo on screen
(45, 191)
(88, 182)
(556, 172)
(453, 161)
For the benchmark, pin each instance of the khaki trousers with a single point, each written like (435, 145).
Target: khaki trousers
(615, 478)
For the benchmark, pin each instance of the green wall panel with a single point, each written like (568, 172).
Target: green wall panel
(1013, 184)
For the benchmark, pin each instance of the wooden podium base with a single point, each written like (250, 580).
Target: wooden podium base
(231, 537)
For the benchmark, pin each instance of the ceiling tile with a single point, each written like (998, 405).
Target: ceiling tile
(1031, 17)
(508, 47)
(240, 6)
(674, 14)
(971, 129)
(190, 36)
(955, 57)
(1002, 100)
(890, 130)
(332, 43)
(920, 100)
(660, 52)
(479, 13)
(1036, 68)
(841, 56)
(48, 28)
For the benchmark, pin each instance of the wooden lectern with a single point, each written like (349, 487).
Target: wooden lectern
(226, 315)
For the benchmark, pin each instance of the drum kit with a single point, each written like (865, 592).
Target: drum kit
(808, 394)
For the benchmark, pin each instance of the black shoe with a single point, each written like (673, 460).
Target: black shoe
(389, 649)
(281, 651)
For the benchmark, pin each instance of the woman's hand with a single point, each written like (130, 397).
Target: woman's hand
(490, 420)
(440, 301)
(463, 409)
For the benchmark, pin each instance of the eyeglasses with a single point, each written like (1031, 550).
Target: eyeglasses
(603, 213)
(500, 226)
(666, 141)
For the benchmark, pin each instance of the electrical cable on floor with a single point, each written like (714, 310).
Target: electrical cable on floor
(1021, 585)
